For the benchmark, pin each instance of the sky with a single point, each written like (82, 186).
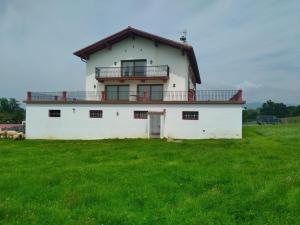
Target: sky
(248, 44)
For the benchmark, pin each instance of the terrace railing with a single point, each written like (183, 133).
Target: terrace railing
(135, 96)
(161, 71)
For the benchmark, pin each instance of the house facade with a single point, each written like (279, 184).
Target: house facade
(138, 85)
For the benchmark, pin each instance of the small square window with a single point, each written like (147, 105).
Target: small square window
(190, 115)
(54, 113)
(140, 114)
(96, 114)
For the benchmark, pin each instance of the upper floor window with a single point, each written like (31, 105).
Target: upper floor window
(54, 113)
(134, 67)
(190, 115)
(117, 92)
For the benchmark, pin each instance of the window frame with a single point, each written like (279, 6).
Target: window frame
(150, 91)
(51, 111)
(185, 117)
(118, 92)
(140, 112)
(91, 111)
(133, 73)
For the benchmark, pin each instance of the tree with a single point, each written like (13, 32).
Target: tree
(249, 115)
(297, 111)
(275, 109)
(4, 105)
(10, 111)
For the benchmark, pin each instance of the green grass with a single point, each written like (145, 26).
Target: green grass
(250, 181)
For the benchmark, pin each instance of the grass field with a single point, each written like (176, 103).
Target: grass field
(250, 181)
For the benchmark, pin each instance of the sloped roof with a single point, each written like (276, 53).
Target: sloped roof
(84, 53)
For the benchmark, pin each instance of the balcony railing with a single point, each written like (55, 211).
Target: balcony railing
(132, 72)
(226, 96)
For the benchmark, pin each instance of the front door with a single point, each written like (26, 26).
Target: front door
(154, 126)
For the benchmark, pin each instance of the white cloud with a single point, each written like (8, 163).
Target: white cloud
(248, 85)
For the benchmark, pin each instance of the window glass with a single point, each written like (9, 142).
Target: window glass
(112, 92)
(123, 93)
(144, 91)
(117, 92)
(140, 114)
(140, 68)
(156, 92)
(190, 115)
(153, 92)
(54, 113)
(127, 68)
(133, 68)
(95, 113)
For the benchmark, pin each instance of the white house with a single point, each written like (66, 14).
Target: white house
(138, 85)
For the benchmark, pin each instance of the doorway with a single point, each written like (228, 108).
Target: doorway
(155, 125)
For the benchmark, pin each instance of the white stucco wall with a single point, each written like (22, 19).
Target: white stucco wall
(215, 121)
(140, 48)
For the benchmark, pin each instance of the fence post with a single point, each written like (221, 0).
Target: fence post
(191, 95)
(145, 98)
(64, 96)
(103, 96)
(29, 96)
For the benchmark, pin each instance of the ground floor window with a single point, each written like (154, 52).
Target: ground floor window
(117, 92)
(96, 113)
(54, 113)
(190, 115)
(140, 114)
(152, 91)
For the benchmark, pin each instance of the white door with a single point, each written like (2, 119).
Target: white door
(154, 126)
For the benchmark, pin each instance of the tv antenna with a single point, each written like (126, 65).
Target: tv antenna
(183, 35)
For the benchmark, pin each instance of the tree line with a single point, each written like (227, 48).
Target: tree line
(279, 110)
(11, 111)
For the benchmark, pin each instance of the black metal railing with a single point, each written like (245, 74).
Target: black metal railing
(132, 71)
(138, 96)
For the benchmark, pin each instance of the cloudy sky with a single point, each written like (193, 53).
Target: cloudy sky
(254, 45)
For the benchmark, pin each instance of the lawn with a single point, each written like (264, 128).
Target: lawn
(250, 181)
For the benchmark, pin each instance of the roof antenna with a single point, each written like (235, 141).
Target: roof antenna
(183, 35)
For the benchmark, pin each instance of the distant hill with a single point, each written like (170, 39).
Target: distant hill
(253, 105)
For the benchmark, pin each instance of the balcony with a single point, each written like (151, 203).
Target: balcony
(202, 96)
(141, 73)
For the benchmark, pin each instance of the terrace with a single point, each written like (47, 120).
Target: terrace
(201, 96)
